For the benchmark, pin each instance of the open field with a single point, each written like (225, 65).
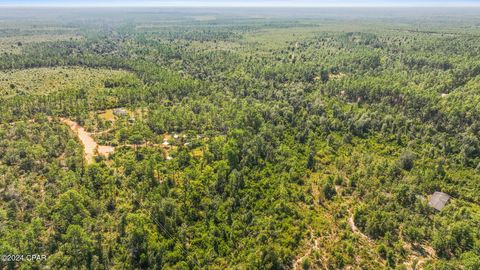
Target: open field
(14, 44)
(42, 81)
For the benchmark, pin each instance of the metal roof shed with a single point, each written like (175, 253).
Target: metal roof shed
(439, 200)
(120, 112)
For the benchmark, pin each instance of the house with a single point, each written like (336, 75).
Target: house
(120, 112)
(439, 200)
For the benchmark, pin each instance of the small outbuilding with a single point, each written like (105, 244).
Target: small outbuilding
(439, 200)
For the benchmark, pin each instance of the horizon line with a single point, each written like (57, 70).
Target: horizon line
(242, 6)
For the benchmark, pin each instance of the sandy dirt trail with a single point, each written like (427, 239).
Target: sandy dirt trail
(313, 245)
(355, 230)
(91, 148)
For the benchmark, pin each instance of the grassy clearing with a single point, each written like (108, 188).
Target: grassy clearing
(107, 115)
(40, 81)
(279, 37)
(15, 44)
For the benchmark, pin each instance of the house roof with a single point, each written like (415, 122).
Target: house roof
(439, 200)
(119, 111)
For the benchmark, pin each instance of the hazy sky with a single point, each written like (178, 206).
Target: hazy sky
(225, 3)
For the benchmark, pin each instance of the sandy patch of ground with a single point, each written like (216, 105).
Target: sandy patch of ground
(91, 147)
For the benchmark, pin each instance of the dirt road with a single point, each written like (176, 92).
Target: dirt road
(91, 148)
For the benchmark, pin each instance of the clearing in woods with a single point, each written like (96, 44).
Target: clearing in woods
(42, 81)
(91, 147)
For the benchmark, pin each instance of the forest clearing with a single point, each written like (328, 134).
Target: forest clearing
(91, 147)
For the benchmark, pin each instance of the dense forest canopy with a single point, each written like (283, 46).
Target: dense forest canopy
(240, 139)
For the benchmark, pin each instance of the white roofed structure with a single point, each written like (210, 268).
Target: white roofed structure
(439, 200)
